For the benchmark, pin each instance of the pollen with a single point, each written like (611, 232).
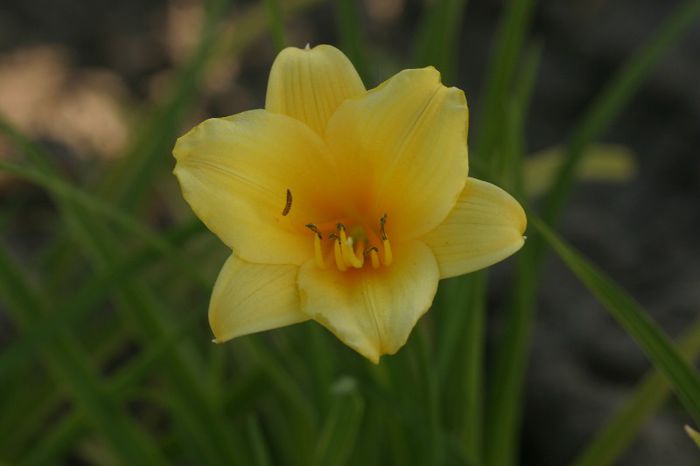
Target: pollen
(351, 248)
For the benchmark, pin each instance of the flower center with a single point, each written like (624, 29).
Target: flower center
(352, 248)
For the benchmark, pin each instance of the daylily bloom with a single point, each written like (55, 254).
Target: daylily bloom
(342, 205)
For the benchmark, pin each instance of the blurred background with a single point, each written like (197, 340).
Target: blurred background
(110, 345)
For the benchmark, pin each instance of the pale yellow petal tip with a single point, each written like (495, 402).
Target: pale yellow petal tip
(522, 216)
(221, 333)
(374, 359)
(375, 354)
(218, 340)
(218, 337)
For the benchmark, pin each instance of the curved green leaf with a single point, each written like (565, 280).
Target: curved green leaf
(682, 376)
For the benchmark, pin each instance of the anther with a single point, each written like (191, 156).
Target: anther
(315, 229)
(386, 245)
(288, 203)
(382, 222)
(372, 252)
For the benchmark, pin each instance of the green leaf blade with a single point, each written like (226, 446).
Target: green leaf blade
(681, 375)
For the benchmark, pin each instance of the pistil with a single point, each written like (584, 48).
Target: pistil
(346, 248)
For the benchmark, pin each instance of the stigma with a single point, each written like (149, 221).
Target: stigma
(354, 248)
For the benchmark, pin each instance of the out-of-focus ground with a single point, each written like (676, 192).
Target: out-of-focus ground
(74, 73)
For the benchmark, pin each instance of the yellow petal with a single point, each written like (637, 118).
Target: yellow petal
(235, 173)
(309, 84)
(403, 149)
(372, 310)
(486, 226)
(250, 298)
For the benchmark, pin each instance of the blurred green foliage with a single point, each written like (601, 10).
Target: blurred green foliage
(112, 362)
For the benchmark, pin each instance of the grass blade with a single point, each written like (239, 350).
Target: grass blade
(257, 439)
(274, 14)
(505, 397)
(649, 396)
(67, 193)
(504, 400)
(683, 378)
(500, 76)
(438, 34)
(460, 350)
(339, 433)
(95, 290)
(473, 367)
(70, 367)
(129, 181)
(63, 434)
(613, 99)
(501, 441)
(509, 162)
(151, 322)
(349, 28)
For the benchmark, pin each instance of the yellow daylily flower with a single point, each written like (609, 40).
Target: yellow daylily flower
(342, 205)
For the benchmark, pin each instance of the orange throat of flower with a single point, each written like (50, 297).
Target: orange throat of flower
(352, 248)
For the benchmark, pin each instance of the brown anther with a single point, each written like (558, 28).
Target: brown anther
(288, 204)
(315, 229)
(340, 227)
(370, 249)
(335, 237)
(382, 222)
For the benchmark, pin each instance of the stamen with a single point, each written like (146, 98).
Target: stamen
(359, 254)
(388, 256)
(339, 262)
(382, 222)
(386, 246)
(352, 250)
(374, 257)
(318, 252)
(288, 204)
